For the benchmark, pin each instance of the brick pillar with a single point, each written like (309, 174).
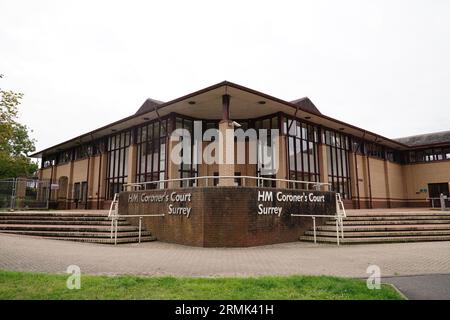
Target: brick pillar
(387, 185)
(323, 165)
(101, 187)
(353, 178)
(69, 199)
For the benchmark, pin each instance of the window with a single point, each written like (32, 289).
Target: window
(48, 161)
(188, 169)
(117, 172)
(266, 162)
(447, 153)
(337, 161)
(374, 150)
(81, 152)
(64, 156)
(302, 146)
(429, 155)
(151, 152)
(394, 156)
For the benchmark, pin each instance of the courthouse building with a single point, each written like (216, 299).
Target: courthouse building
(367, 169)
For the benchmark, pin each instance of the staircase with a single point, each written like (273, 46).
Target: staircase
(383, 226)
(88, 226)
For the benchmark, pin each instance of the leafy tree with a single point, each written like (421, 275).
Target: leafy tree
(15, 142)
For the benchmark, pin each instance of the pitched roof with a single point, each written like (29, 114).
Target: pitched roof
(149, 105)
(306, 104)
(426, 139)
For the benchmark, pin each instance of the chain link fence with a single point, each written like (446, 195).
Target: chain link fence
(23, 194)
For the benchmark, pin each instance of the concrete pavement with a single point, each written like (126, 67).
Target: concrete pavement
(156, 258)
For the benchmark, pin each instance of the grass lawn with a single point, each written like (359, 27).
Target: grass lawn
(23, 285)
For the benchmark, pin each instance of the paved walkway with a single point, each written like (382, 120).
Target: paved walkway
(156, 258)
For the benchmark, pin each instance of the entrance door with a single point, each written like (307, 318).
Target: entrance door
(435, 190)
(84, 195)
(76, 194)
(80, 195)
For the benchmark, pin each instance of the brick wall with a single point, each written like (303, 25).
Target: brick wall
(227, 217)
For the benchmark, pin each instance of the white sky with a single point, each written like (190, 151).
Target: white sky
(381, 65)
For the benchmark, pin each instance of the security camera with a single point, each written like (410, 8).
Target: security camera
(237, 125)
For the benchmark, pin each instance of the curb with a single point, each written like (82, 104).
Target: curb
(398, 291)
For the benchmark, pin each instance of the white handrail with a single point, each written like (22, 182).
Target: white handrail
(115, 203)
(340, 214)
(140, 184)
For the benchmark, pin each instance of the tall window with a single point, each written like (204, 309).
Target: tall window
(151, 152)
(302, 150)
(337, 159)
(187, 169)
(117, 173)
(266, 162)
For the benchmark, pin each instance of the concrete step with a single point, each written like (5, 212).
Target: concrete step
(388, 222)
(73, 234)
(56, 218)
(376, 239)
(367, 228)
(82, 226)
(390, 218)
(105, 240)
(54, 214)
(396, 213)
(382, 233)
(64, 222)
(38, 227)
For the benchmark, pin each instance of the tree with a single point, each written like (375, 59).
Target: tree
(15, 142)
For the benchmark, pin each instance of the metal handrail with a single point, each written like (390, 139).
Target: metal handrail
(442, 201)
(314, 183)
(114, 204)
(340, 214)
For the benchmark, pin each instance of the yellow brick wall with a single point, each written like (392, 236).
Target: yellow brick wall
(417, 176)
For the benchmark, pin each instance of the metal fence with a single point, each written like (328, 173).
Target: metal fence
(23, 194)
(442, 202)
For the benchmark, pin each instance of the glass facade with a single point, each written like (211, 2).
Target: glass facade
(188, 168)
(302, 145)
(117, 158)
(428, 155)
(265, 157)
(338, 146)
(151, 142)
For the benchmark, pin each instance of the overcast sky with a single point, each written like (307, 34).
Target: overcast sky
(381, 65)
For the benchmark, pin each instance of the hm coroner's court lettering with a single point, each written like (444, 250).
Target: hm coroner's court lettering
(267, 201)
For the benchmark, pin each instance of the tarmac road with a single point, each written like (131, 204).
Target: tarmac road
(423, 287)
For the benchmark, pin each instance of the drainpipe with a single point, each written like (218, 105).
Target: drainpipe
(99, 178)
(357, 182)
(370, 183)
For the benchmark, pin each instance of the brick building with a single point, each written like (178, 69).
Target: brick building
(369, 170)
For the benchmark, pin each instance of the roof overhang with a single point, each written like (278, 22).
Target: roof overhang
(207, 104)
